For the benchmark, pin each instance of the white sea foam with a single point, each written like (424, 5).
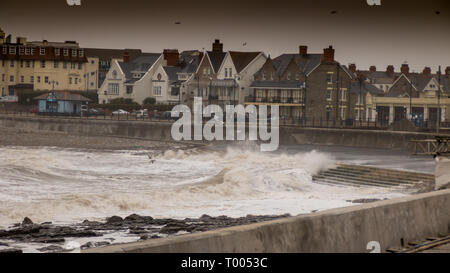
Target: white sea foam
(49, 184)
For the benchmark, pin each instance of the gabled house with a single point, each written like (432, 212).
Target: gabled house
(414, 96)
(130, 79)
(304, 86)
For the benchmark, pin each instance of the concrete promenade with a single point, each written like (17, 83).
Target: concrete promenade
(347, 230)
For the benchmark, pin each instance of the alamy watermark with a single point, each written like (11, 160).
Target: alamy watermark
(213, 129)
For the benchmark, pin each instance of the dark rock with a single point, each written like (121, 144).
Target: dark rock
(27, 221)
(11, 250)
(365, 201)
(174, 227)
(52, 248)
(49, 240)
(138, 218)
(104, 243)
(88, 245)
(155, 237)
(205, 218)
(4, 244)
(114, 220)
(46, 223)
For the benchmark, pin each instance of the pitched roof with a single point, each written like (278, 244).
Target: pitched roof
(380, 77)
(63, 95)
(216, 59)
(107, 54)
(171, 72)
(278, 84)
(306, 63)
(364, 88)
(242, 59)
(141, 64)
(189, 61)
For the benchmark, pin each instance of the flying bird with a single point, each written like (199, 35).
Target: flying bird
(177, 23)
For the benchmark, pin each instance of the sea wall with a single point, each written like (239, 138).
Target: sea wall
(390, 223)
(162, 131)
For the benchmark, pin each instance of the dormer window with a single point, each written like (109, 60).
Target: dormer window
(114, 74)
(57, 51)
(12, 50)
(66, 52)
(74, 52)
(32, 51)
(264, 76)
(21, 50)
(288, 76)
(42, 51)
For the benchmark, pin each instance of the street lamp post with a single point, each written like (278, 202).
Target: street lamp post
(438, 121)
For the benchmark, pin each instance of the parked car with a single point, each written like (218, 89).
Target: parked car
(34, 110)
(120, 112)
(141, 113)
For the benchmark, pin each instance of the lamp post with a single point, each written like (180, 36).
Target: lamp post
(236, 78)
(438, 121)
(209, 91)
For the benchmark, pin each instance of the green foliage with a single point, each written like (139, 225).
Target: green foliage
(149, 101)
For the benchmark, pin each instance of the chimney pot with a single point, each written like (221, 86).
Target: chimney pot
(303, 50)
(390, 69)
(405, 69)
(352, 68)
(171, 56)
(126, 57)
(427, 71)
(447, 71)
(373, 68)
(328, 55)
(217, 46)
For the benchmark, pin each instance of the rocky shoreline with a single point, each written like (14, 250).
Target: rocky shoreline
(54, 237)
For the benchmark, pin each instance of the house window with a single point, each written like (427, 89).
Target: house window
(11, 64)
(80, 66)
(344, 95)
(113, 89)
(70, 80)
(3, 77)
(11, 78)
(264, 76)
(329, 94)
(114, 74)
(22, 79)
(57, 51)
(74, 52)
(204, 71)
(81, 53)
(46, 79)
(65, 65)
(39, 79)
(329, 78)
(32, 51)
(21, 63)
(5, 50)
(129, 89)
(297, 76)
(32, 79)
(27, 51)
(42, 51)
(66, 52)
(76, 80)
(21, 50)
(12, 50)
(288, 77)
(157, 91)
(55, 64)
(42, 64)
(27, 63)
(230, 72)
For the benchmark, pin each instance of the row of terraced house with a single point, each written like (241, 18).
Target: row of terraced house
(305, 86)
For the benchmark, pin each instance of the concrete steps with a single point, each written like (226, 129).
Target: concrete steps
(364, 176)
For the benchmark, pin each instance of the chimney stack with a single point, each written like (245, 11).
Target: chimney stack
(126, 57)
(21, 40)
(217, 46)
(171, 56)
(447, 71)
(390, 70)
(373, 69)
(352, 68)
(405, 69)
(427, 71)
(328, 55)
(303, 50)
(45, 42)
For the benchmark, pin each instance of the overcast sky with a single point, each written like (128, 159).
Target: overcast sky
(395, 32)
